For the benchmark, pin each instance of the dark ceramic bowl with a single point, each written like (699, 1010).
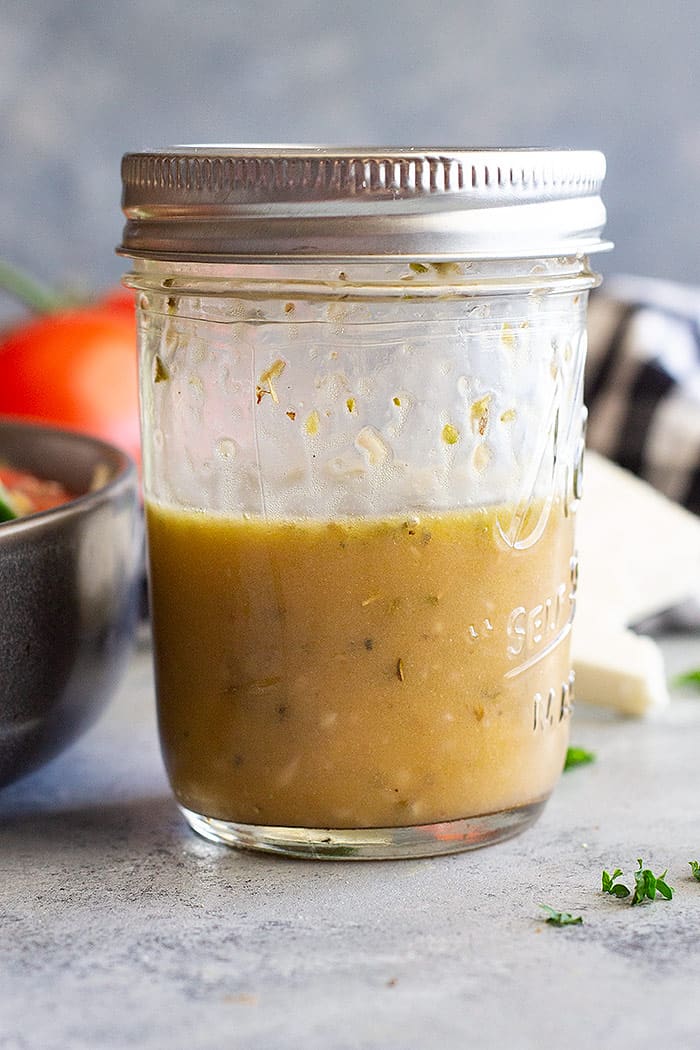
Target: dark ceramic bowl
(69, 584)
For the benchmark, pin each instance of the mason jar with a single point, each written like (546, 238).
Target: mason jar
(361, 392)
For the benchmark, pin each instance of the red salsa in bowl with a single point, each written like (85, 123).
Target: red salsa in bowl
(22, 493)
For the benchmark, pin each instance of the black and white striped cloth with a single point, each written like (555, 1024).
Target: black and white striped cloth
(643, 382)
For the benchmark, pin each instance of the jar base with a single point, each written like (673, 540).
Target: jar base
(426, 840)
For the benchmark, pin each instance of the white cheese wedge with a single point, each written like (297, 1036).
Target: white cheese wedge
(619, 669)
(639, 554)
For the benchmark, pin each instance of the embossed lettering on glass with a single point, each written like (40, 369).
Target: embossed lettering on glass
(361, 388)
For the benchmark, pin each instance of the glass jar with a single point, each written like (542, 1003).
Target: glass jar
(361, 390)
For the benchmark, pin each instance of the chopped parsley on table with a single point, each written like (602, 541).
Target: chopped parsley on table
(578, 756)
(612, 886)
(688, 678)
(646, 885)
(561, 918)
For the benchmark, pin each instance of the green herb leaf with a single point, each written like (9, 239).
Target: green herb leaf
(561, 918)
(7, 511)
(418, 267)
(688, 678)
(160, 372)
(578, 756)
(695, 868)
(647, 885)
(610, 884)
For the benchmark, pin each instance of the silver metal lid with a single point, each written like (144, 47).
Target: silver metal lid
(236, 203)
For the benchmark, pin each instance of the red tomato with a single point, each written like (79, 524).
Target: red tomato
(118, 300)
(76, 369)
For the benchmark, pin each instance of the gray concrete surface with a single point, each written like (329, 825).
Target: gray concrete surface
(120, 928)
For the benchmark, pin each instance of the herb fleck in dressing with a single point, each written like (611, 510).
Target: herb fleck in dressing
(339, 673)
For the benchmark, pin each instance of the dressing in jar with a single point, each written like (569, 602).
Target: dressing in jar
(361, 391)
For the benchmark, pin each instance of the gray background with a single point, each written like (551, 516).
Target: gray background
(81, 82)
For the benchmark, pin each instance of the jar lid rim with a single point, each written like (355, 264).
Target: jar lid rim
(229, 203)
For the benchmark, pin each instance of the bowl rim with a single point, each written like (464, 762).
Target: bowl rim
(125, 473)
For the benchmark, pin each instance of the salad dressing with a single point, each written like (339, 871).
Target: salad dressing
(361, 672)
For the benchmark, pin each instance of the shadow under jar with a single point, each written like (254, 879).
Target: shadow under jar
(361, 385)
